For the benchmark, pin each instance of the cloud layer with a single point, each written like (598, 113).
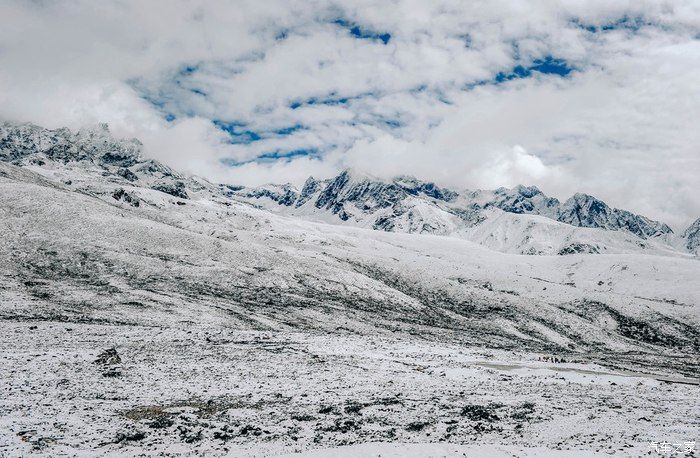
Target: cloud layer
(592, 96)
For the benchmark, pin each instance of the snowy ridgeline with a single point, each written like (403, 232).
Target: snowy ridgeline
(520, 220)
(248, 323)
(89, 221)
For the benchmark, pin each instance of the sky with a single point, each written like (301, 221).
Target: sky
(600, 97)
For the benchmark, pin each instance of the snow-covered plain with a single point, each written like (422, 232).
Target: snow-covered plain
(248, 333)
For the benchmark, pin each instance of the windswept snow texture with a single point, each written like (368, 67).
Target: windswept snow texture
(148, 312)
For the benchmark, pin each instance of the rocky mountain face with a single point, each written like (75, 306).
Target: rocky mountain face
(354, 197)
(20, 141)
(403, 204)
(586, 211)
(692, 237)
(185, 318)
(93, 151)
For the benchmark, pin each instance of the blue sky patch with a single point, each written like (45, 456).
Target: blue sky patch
(330, 100)
(241, 134)
(237, 131)
(549, 66)
(624, 23)
(361, 33)
(274, 156)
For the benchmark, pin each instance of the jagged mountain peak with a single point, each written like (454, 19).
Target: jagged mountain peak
(89, 151)
(692, 236)
(526, 191)
(388, 204)
(400, 204)
(585, 210)
(20, 140)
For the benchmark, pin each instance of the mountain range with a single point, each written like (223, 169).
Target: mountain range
(520, 220)
(147, 311)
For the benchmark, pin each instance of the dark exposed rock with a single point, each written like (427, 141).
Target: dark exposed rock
(384, 223)
(163, 421)
(130, 436)
(311, 186)
(353, 408)
(343, 425)
(326, 410)
(176, 188)
(111, 372)
(127, 174)
(416, 187)
(586, 211)
(692, 237)
(330, 193)
(576, 248)
(118, 158)
(121, 194)
(524, 411)
(522, 199)
(417, 426)
(283, 195)
(250, 430)
(230, 190)
(108, 357)
(155, 168)
(188, 435)
(476, 412)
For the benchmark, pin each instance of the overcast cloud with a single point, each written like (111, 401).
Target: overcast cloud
(593, 96)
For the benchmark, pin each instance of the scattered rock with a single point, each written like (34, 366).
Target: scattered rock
(343, 425)
(189, 436)
(224, 434)
(249, 430)
(176, 189)
(108, 357)
(127, 174)
(576, 248)
(326, 410)
(129, 436)
(112, 372)
(477, 412)
(163, 421)
(353, 408)
(120, 194)
(417, 426)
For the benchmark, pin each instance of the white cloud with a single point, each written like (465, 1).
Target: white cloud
(621, 126)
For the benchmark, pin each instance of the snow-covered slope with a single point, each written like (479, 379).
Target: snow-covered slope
(533, 223)
(249, 332)
(76, 230)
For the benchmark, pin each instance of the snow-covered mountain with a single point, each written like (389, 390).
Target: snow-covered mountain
(691, 236)
(86, 188)
(520, 220)
(188, 320)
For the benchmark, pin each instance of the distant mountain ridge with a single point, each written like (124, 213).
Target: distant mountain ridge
(532, 223)
(347, 193)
